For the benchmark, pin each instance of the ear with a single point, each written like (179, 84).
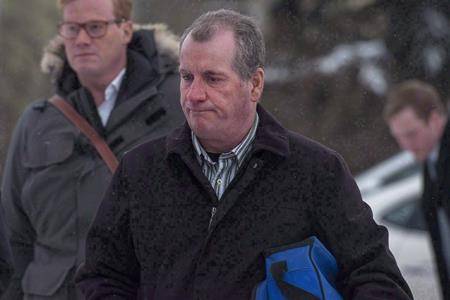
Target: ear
(436, 121)
(127, 31)
(257, 84)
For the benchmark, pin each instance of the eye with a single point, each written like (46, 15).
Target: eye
(187, 76)
(95, 27)
(71, 28)
(213, 79)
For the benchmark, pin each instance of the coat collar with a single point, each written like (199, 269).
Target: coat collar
(270, 136)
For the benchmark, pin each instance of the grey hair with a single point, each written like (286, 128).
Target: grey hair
(250, 48)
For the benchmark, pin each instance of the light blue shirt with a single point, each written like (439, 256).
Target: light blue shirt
(105, 109)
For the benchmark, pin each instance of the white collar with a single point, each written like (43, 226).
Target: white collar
(111, 92)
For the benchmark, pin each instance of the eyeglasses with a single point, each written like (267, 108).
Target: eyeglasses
(95, 29)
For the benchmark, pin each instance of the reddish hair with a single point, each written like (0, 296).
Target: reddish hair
(122, 8)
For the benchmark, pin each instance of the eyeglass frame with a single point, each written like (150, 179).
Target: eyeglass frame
(84, 27)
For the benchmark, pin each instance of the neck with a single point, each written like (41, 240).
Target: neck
(224, 144)
(97, 84)
(97, 91)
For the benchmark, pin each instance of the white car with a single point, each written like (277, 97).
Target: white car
(396, 206)
(393, 169)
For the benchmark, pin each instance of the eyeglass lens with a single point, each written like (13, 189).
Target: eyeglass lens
(94, 29)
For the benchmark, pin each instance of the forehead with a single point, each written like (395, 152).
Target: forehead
(406, 120)
(218, 52)
(86, 10)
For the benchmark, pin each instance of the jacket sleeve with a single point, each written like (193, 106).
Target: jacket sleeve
(345, 223)
(111, 270)
(20, 233)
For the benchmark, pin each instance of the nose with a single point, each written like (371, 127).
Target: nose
(82, 37)
(196, 91)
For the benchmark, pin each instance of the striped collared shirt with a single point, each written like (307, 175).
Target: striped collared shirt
(222, 172)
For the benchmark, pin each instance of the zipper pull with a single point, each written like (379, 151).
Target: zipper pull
(213, 213)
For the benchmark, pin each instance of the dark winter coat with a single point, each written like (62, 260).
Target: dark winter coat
(437, 195)
(153, 229)
(54, 179)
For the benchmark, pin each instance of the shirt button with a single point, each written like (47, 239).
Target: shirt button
(219, 181)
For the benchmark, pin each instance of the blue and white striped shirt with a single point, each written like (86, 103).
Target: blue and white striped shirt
(222, 172)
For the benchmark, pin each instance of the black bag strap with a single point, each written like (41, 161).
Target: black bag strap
(288, 290)
(97, 141)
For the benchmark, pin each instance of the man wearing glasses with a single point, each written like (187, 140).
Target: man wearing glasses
(124, 83)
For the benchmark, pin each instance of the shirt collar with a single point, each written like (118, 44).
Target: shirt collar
(270, 136)
(111, 92)
(113, 88)
(239, 151)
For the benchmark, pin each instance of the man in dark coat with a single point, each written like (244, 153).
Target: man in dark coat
(189, 216)
(125, 84)
(418, 121)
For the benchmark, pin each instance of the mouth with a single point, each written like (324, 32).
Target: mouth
(199, 110)
(84, 54)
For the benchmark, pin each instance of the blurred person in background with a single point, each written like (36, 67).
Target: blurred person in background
(418, 120)
(189, 216)
(124, 83)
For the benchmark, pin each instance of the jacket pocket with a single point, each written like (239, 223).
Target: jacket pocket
(46, 150)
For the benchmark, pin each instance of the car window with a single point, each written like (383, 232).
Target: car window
(407, 214)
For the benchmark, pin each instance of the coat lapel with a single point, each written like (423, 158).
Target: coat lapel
(126, 109)
(179, 143)
(245, 177)
(271, 142)
(270, 145)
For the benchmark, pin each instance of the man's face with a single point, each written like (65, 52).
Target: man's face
(96, 57)
(219, 106)
(414, 134)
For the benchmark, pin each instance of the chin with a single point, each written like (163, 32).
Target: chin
(87, 71)
(202, 132)
(420, 157)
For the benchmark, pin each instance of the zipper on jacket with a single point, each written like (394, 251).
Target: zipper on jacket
(213, 213)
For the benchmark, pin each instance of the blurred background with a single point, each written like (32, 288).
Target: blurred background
(329, 66)
(329, 63)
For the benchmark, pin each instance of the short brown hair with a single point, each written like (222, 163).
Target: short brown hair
(250, 48)
(422, 97)
(122, 8)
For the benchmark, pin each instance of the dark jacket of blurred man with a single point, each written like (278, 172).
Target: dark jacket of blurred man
(418, 121)
(189, 215)
(125, 84)
(6, 267)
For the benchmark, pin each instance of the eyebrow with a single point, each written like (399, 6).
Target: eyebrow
(207, 72)
(214, 73)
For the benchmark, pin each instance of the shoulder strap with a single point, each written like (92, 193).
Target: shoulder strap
(99, 143)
